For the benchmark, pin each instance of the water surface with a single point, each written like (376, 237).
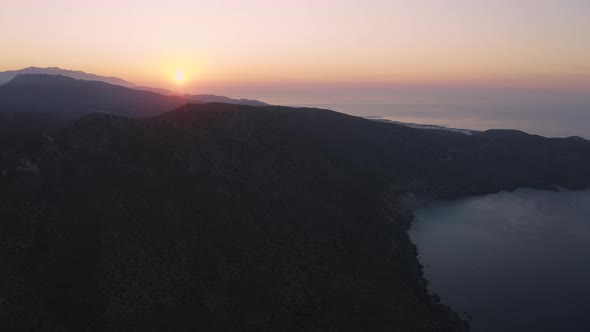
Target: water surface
(517, 261)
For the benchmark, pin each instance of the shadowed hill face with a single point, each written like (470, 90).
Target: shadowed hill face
(221, 99)
(65, 95)
(433, 161)
(60, 94)
(205, 98)
(22, 133)
(223, 217)
(80, 75)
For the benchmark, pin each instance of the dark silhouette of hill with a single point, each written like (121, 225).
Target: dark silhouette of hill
(61, 94)
(7, 76)
(21, 133)
(161, 91)
(223, 217)
(205, 98)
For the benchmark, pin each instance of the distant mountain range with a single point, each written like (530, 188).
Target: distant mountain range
(227, 100)
(7, 76)
(65, 95)
(205, 98)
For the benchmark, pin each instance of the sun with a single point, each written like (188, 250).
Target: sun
(180, 77)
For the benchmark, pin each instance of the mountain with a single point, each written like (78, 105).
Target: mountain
(205, 98)
(221, 99)
(7, 76)
(161, 91)
(65, 95)
(23, 132)
(222, 217)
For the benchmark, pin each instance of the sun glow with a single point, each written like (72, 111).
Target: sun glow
(179, 77)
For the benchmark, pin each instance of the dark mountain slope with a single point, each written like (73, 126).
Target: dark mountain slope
(7, 76)
(21, 134)
(221, 217)
(60, 94)
(207, 98)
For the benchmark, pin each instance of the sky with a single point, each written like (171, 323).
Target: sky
(525, 42)
(476, 64)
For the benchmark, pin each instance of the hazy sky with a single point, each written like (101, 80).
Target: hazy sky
(537, 42)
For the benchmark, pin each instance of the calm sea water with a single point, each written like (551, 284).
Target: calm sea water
(515, 261)
(547, 115)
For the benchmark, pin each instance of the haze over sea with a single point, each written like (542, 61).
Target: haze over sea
(542, 112)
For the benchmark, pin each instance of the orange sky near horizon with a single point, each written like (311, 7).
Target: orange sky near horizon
(535, 43)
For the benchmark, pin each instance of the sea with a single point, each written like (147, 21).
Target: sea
(511, 261)
(546, 113)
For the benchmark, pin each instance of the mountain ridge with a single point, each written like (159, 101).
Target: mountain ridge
(229, 217)
(62, 94)
(6, 76)
(210, 98)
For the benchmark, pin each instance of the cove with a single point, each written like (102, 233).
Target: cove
(514, 261)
